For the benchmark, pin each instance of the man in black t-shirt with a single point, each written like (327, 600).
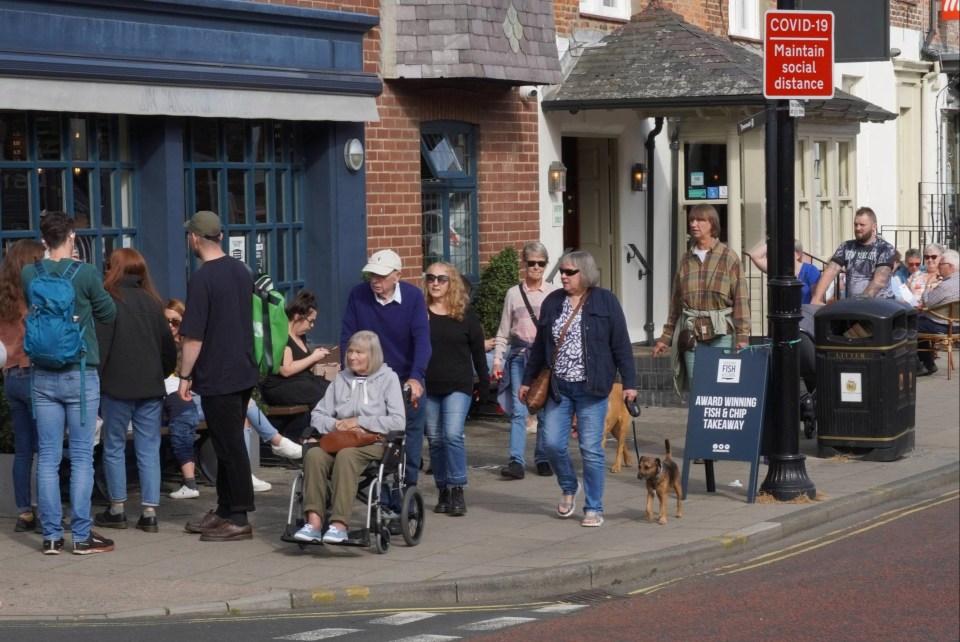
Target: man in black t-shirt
(868, 260)
(217, 363)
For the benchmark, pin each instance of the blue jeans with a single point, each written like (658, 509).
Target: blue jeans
(16, 387)
(416, 418)
(183, 417)
(446, 415)
(56, 395)
(518, 418)
(145, 416)
(722, 341)
(591, 412)
(260, 423)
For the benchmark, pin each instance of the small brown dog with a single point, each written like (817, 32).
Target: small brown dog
(661, 475)
(616, 423)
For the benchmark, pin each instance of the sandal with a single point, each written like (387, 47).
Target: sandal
(592, 519)
(566, 509)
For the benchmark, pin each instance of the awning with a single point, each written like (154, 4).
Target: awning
(157, 100)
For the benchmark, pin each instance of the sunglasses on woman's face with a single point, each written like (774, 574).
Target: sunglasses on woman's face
(531, 264)
(917, 264)
(439, 278)
(174, 323)
(931, 257)
(569, 271)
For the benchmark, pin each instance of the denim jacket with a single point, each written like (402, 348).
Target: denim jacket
(606, 342)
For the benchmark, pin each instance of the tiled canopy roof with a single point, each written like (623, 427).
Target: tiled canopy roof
(659, 61)
(512, 41)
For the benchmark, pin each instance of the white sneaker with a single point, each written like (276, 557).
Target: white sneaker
(260, 486)
(185, 492)
(286, 448)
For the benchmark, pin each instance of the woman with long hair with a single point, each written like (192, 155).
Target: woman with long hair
(456, 338)
(16, 375)
(296, 383)
(138, 354)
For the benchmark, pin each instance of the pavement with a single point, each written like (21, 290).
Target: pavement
(509, 544)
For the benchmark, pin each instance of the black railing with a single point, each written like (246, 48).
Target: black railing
(757, 282)
(939, 206)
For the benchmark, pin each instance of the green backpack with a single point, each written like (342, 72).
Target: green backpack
(270, 326)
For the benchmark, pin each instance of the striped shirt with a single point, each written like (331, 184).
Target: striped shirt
(714, 284)
(515, 321)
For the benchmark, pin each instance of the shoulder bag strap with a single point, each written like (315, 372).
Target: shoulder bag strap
(563, 333)
(526, 302)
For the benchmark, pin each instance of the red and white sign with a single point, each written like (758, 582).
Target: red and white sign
(798, 54)
(950, 10)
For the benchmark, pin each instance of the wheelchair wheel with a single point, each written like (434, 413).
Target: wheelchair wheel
(381, 539)
(809, 428)
(412, 516)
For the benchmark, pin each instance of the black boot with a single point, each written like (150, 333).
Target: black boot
(443, 502)
(458, 506)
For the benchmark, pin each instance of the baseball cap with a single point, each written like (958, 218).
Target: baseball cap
(204, 223)
(383, 263)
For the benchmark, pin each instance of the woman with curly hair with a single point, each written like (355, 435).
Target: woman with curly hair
(16, 374)
(456, 338)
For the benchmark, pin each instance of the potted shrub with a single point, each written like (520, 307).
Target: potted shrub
(501, 274)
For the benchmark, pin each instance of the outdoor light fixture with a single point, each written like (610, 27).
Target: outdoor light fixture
(638, 177)
(353, 154)
(557, 180)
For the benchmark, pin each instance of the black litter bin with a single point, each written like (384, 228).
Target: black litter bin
(866, 378)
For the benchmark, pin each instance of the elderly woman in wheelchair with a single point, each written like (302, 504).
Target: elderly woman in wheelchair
(365, 399)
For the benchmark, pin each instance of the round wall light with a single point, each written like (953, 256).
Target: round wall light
(353, 154)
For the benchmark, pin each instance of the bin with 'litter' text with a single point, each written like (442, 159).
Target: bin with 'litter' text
(866, 378)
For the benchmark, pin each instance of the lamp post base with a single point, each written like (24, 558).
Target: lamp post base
(787, 478)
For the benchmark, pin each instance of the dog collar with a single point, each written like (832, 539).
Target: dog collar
(659, 472)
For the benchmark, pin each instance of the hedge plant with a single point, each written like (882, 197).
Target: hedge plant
(501, 274)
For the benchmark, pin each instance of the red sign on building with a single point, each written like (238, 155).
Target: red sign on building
(950, 10)
(798, 54)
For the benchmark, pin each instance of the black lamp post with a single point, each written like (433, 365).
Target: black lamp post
(787, 473)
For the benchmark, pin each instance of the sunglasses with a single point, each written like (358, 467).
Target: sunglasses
(531, 264)
(931, 257)
(439, 278)
(174, 323)
(917, 264)
(568, 271)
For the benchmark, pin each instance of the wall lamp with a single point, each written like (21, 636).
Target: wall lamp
(638, 177)
(557, 178)
(353, 154)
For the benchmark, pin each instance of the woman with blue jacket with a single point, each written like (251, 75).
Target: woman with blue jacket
(595, 348)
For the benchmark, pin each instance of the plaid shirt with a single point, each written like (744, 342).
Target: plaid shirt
(715, 284)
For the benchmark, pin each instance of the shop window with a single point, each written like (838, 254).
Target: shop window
(245, 172)
(448, 178)
(619, 9)
(76, 163)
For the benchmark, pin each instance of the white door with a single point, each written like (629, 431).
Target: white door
(598, 227)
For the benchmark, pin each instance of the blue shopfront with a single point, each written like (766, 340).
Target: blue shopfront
(133, 115)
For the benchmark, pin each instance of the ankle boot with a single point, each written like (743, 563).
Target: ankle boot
(443, 502)
(458, 505)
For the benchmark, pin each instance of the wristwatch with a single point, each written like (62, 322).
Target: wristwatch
(187, 378)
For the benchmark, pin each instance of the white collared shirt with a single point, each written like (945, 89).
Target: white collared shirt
(396, 296)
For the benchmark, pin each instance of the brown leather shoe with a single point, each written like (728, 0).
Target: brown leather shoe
(227, 532)
(210, 520)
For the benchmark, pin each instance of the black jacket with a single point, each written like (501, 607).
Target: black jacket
(137, 351)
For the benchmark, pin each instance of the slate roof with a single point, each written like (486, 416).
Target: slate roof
(659, 61)
(504, 40)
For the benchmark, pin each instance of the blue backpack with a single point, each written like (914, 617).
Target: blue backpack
(53, 335)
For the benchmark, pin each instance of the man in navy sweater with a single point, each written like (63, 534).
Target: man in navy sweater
(397, 312)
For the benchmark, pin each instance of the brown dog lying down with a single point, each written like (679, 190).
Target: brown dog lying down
(661, 476)
(616, 423)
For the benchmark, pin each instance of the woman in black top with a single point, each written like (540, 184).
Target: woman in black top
(456, 337)
(296, 384)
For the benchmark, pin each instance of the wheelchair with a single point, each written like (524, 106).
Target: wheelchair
(381, 482)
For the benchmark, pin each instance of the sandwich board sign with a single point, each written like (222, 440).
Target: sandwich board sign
(725, 421)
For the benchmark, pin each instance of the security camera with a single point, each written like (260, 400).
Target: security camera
(528, 93)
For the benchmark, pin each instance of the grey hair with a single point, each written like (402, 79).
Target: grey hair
(536, 248)
(370, 342)
(951, 257)
(933, 246)
(913, 253)
(797, 246)
(583, 261)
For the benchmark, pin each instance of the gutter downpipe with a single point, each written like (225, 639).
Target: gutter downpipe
(675, 192)
(651, 146)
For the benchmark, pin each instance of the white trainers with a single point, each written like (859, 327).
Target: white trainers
(185, 492)
(260, 486)
(286, 448)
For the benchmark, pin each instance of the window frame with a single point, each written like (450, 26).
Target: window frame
(595, 8)
(754, 10)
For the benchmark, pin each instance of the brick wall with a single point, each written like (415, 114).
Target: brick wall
(508, 198)
(908, 14)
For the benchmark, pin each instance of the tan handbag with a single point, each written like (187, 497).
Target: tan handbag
(540, 387)
(334, 442)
